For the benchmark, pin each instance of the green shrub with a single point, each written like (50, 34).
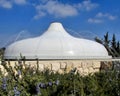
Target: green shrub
(29, 82)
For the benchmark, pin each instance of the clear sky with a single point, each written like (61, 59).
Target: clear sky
(32, 17)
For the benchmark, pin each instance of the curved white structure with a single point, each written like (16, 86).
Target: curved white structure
(56, 43)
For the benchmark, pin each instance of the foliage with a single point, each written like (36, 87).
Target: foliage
(26, 81)
(112, 46)
(1, 52)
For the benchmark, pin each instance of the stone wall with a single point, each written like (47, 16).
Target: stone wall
(84, 67)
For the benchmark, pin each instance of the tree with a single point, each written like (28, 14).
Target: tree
(106, 43)
(118, 47)
(113, 43)
(2, 52)
(114, 46)
(106, 40)
(98, 40)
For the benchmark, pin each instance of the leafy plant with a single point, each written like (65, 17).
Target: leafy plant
(23, 80)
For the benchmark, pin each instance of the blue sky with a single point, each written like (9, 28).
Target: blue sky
(26, 18)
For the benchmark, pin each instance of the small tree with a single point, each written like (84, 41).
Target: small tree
(106, 40)
(118, 47)
(98, 40)
(106, 43)
(113, 42)
(114, 46)
(2, 52)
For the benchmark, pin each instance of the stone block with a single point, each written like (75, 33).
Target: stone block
(85, 71)
(48, 66)
(96, 65)
(96, 70)
(77, 65)
(3, 70)
(33, 66)
(63, 65)
(84, 65)
(55, 66)
(69, 67)
(70, 64)
(41, 67)
(105, 65)
(89, 64)
(60, 71)
(80, 70)
(90, 70)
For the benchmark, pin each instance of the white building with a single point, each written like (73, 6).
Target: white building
(59, 48)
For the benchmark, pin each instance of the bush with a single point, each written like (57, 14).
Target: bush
(25, 81)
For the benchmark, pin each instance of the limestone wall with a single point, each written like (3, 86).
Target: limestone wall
(84, 67)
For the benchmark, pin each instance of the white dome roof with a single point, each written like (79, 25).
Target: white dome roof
(56, 43)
